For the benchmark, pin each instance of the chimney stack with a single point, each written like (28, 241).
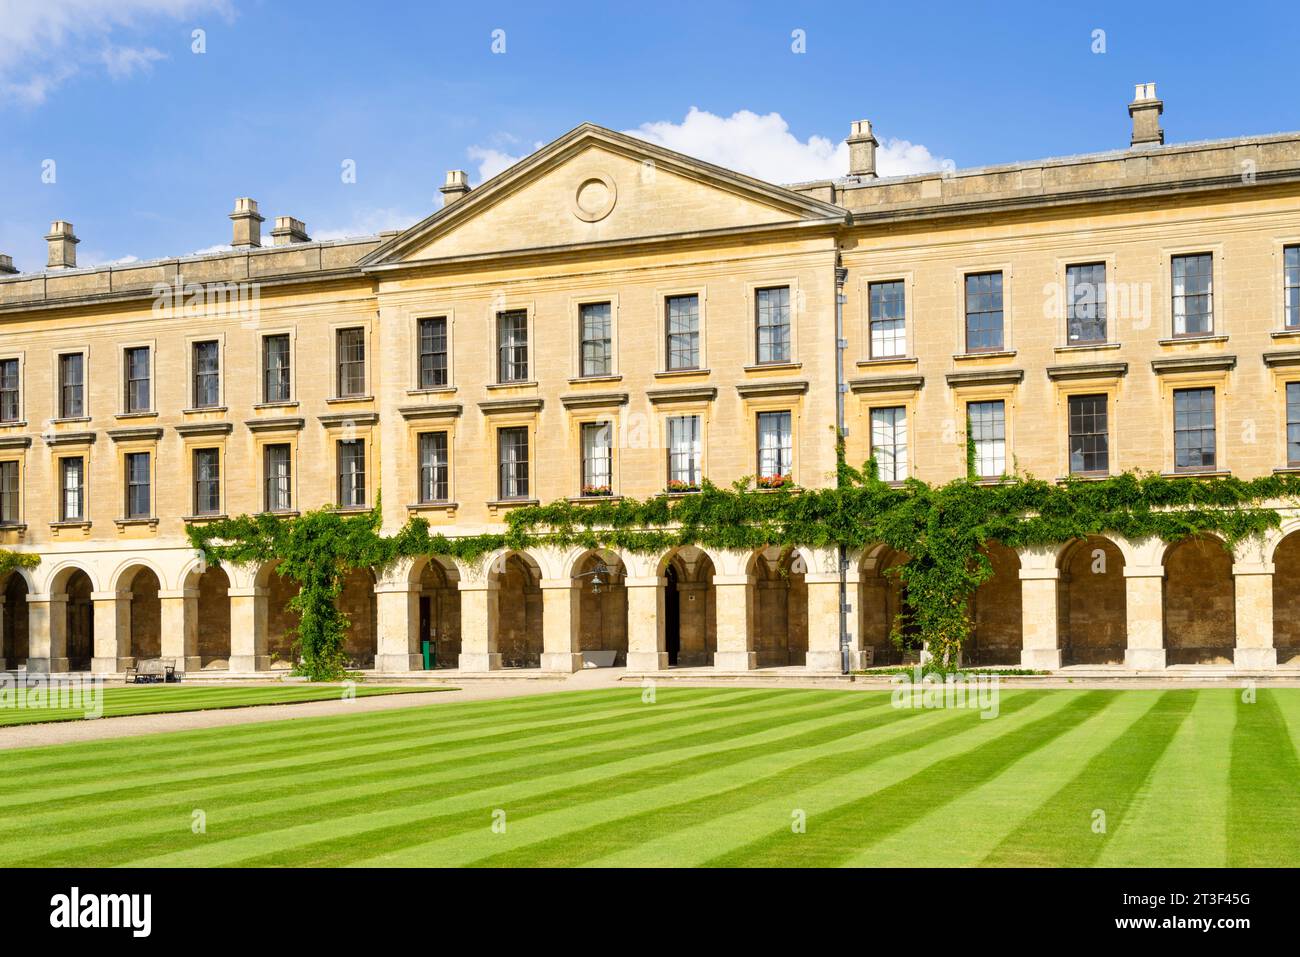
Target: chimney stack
(63, 246)
(862, 150)
(1145, 111)
(288, 231)
(248, 224)
(457, 185)
(7, 266)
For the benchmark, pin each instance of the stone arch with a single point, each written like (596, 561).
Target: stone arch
(436, 581)
(882, 604)
(1092, 603)
(518, 594)
(600, 608)
(281, 621)
(997, 637)
(358, 602)
(57, 578)
(779, 607)
(14, 639)
(1286, 598)
(140, 580)
(124, 574)
(690, 607)
(1199, 602)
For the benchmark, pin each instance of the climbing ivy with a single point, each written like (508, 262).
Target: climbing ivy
(9, 561)
(944, 530)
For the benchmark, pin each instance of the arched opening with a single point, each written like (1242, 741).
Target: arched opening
(1200, 603)
(15, 647)
(1092, 603)
(779, 622)
(357, 601)
(882, 607)
(690, 609)
(601, 603)
(281, 621)
(1286, 600)
(146, 613)
(440, 614)
(519, 611)
(80, 626)
(997, 639)
(214, 619)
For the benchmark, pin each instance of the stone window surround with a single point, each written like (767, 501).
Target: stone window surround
(262, 335)
(21, 420)
(975, 267)
(122, 347)
(367, 375)
(1217, 380)
(661, 296)
(869, 278)
(219, 337)
(751, 312)
(495, 308)
(56, 401)
(1164, 306)
(1085, 258)
(575, 332)
(413, 316)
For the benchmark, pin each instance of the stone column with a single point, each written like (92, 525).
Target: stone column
(478, 626)
(1040, 647)
(1254, 593)
(823, 621)
(1144, 591)
(47, 633)
(399, 627)
(180, 628)
(734, 598)
(559, 626)
(248, 629)
(646, 642)
(112, 612)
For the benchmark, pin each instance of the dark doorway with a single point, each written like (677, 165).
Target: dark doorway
(80, 622)
(672, 615)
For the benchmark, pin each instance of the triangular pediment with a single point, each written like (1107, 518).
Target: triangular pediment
(595, 186)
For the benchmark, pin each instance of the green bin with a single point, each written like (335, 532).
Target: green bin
(430, 654)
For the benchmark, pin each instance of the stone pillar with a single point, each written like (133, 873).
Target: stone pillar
(478, 626)
(823, 621)
(1040, 648)
(112, 612)
(734, 598)
(248, 629)
(1254, 593)
(399, 627)
(559, 626)
(647, 648)
(47, 634)
(1144, 591)
(180, 628)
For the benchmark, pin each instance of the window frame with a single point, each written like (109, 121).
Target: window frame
(445, 468)
(197, 482)
(61, 386)
(131, 482)
(1002, 310)
(1102, 304)
(976, 440)
(901, 411)
(350, 487)
(288, 370)
(1214, 318)
(421, 385)
(759, 326)
(696, 453)
(872, 320)
(784, 449)
(127, 404)
(1213, 427)
(61, 476)
(514, 479)
(611, 367)
(12, 494)
(1289, 283)
(589, 479)
(345, 367)
(196, 373)
(286, 479)
(665, 338)
(1071, 434)
(1292, 460)
(16, 390)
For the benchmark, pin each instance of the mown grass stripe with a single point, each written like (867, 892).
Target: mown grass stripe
(1264, 774)
(291, 796)
(838, 834)
(291, 760)
(420, 725)
(1064, 829)
(628, 768)
(574, 847)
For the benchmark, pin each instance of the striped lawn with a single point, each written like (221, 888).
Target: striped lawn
(162, 699)
(699, 777)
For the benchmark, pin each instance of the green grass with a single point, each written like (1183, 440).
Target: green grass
(161, 699)
(702, 776)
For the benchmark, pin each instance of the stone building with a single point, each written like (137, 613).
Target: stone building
(608, 318)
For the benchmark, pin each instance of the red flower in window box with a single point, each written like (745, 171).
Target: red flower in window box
(775, 481)
(677, 485)
(595, 491)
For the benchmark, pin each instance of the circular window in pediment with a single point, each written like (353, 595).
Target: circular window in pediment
(595, 198)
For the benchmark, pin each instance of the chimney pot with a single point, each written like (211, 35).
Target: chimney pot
(1145, 111)
(63, 246)
(289, 230)
(248, 224)
(456, 186)
(862, 150)
(7, 266)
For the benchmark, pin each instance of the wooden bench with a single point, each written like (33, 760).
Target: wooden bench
(152, 671)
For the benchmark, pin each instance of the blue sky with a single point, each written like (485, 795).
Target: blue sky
(152, 142)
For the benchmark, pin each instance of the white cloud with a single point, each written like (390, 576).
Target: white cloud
(764, 147)
(760, 146)
(43, 43)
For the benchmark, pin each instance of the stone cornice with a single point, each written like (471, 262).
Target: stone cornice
(139, 434)
(204, 428)
(700, 393)
(1088, 370)
(503, 406)
(887, 383)
(593, 400)
(286, 423)
(1206, 363)
(55, 439)
(15, 441)
(337, 419)
(978, 377)
(1291, 357)
(443, 410)
(750, 390)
